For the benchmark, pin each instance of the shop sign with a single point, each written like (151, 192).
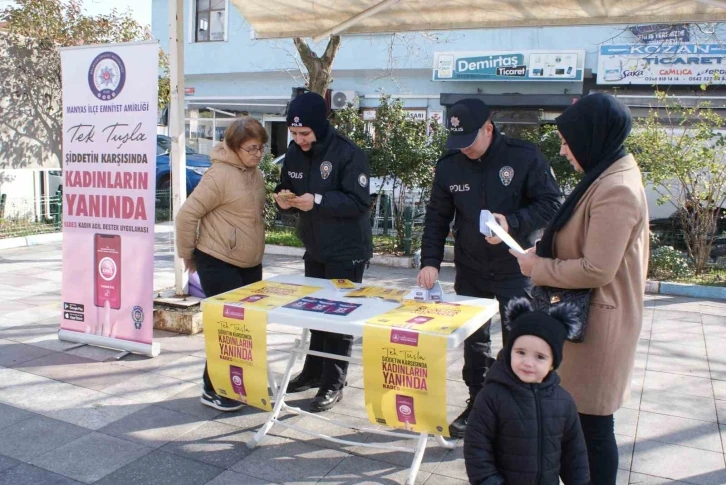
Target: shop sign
(650, 64)
(655, 33)
(509, 66)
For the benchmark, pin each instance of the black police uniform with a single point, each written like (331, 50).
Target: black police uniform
(513, 179)
(336, 233)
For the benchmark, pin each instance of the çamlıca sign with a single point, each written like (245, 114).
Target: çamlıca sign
(662, 64)
(509, 66)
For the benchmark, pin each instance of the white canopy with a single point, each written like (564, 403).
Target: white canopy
(320, 18)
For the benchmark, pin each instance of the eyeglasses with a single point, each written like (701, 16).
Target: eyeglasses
(261, 149)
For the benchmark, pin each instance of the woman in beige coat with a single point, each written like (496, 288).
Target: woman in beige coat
(598, 240)
(227, 209)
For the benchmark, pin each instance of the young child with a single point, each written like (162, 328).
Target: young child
(524, 428)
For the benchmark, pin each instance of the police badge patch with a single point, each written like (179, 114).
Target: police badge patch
(506, 174)
(362, 180)
(325, 169)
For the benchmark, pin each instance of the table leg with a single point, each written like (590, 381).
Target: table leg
(449, 445)
(417, 458)
(280, 396)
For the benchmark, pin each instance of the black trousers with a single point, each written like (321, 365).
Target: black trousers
(602, 449)
(217, 276)
(332, 372)
(478, 346)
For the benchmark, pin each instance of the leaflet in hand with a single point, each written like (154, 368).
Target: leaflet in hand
(484, 217)
(499, 231)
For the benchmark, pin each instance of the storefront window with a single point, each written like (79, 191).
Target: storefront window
(210, 20)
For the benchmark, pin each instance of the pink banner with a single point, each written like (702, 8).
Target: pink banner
(109, 179)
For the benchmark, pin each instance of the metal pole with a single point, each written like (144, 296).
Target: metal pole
(176, 126)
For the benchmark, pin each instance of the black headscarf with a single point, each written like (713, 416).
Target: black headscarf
(595, 129)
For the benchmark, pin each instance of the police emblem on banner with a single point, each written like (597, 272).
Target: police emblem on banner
(106, 76)
(506, 174)
(325, 169)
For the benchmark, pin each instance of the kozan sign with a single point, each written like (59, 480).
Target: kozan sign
(693, 64)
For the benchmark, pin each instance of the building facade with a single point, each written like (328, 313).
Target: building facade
(527, 75)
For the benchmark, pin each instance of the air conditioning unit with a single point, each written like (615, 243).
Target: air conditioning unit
(341, 99)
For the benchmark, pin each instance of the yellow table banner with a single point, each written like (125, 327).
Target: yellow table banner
(404, 376)
(236, 346)
(440, 317)
(265, 295)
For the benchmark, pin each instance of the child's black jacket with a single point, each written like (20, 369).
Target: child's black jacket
(522, 434)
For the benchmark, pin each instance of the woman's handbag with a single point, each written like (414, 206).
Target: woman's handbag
(544, 297)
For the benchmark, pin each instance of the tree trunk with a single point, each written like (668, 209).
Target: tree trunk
(319, 75)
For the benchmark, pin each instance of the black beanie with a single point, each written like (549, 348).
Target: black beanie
(310, 110)
(554, 327)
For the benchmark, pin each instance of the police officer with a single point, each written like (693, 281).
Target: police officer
(329, 176)
(511, 179)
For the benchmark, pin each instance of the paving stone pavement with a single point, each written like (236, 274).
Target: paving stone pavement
(78, 415)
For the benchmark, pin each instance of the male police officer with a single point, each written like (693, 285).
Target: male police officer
(325, 179)
(512, 180)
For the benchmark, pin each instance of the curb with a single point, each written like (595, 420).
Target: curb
(276, 250)
(34, 240)
(377, 259)
(56, 237)
(683, 289)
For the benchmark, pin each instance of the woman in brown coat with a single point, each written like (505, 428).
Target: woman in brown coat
(598, 240)
(227, 209)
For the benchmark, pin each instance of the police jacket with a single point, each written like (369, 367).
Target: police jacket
(513, 179)
(338, 228)
(524, 434)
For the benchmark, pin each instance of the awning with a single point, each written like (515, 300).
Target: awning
(320, 18)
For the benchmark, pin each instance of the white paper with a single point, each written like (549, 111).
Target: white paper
(435, 293)
(484, 217)
(499, 231)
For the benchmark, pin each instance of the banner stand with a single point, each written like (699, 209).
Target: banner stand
(150, 350)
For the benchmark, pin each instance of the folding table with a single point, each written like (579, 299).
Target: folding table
(353, 324)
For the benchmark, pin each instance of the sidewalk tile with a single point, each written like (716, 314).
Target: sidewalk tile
(152, 426)
(681, 405)
(721, 411)
(38, 335)
(251, 419)
(79, 371)
(160, 468)
(626, 421)
(679, 463)
(6, 462)
(663, 313)
(719, 389)
(452, 465)
(144, 363)
(233, 478)
(362, 471)
(11, 415)
(189, 402)
(431, 460)
(187, 368)
(14, 353)
(679, 431)
(666, 326)
(641, 479)
(28, 474)
(677, 383)
(33, 437)
(680, 338)
(90, 457)
(284, 460)
(329, 429)
(148, 388)
(442, 480)
(625, 451)
(213, 443)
